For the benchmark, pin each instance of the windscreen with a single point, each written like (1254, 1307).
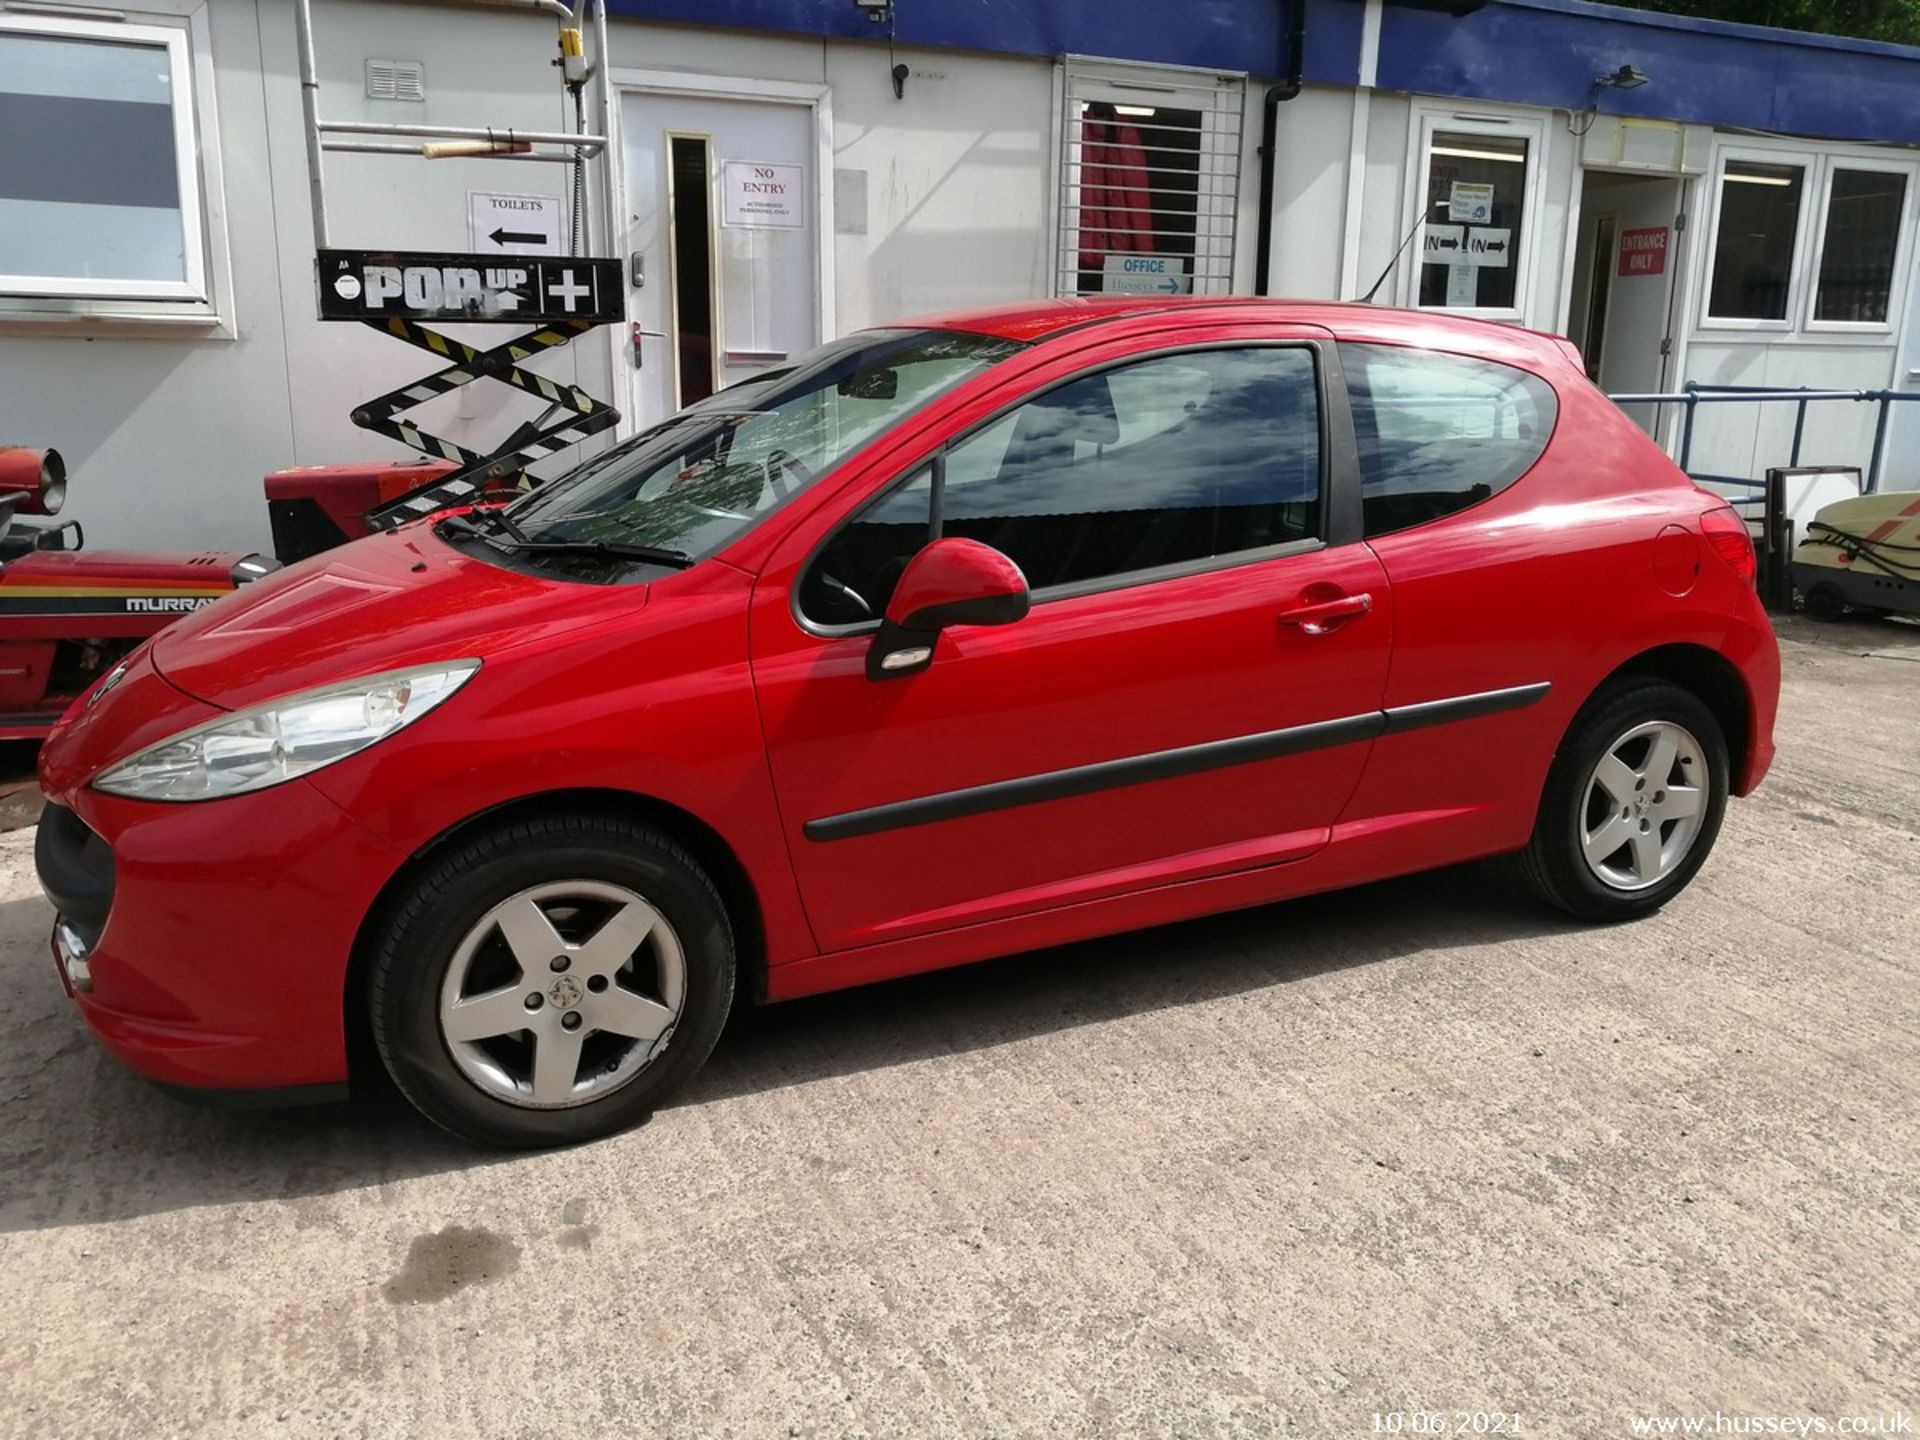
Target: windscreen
(704, 476)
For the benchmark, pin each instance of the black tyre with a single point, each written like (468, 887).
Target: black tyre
(1633, 803)
(1824, 602)
(552, 980)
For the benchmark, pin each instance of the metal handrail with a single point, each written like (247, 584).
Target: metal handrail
(503, 135)
(583, 143)
(1697, 393)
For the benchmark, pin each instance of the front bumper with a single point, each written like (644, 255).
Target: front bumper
(207, 945)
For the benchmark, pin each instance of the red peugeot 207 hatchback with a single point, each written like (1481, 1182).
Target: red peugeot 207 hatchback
(952, 639)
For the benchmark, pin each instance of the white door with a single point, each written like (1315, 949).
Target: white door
(722, 242)
(1630, 259)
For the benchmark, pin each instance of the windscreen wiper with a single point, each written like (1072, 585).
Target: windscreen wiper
(518, 543)
(608, 549)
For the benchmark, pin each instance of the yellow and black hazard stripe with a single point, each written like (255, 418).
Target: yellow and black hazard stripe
(584, 415)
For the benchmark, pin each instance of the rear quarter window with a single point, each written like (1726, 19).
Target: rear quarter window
(1438, 433)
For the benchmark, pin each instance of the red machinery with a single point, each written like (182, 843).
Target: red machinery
(66, 615)
(316, 507)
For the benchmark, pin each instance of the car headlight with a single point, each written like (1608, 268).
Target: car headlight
(273, 743)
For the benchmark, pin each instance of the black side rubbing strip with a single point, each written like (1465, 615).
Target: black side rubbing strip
(1463, 707)
(1165, 764)
(1102, 775)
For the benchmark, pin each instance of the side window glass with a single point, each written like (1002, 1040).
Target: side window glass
(852, 578)
(1165, 461)
(1157, 463)
(1438, 433)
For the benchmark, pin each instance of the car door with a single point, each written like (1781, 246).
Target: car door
(1192, 693)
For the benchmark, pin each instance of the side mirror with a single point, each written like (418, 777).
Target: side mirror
(951, 582)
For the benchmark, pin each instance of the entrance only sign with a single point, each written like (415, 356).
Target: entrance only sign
(1643, 252)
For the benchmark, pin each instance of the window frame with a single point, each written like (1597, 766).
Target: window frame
(1339, 493)
(1427, 119)
(200, 298)
(1360, 478)
(1216, 207)
(1902, 249)
(1809, 164)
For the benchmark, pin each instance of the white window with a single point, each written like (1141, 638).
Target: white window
(102, 186)
(1863, 219)
(1149, 173)
(1804, 241)
(1473, 212)
(1755, 241)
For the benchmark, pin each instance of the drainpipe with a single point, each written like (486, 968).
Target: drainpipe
(1276, 96)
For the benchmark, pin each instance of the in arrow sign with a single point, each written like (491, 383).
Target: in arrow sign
(515, 237)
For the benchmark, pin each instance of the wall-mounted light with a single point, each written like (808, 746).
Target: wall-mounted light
(1627, 77)
(880, 12)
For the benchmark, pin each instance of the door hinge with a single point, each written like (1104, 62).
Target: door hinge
(1666, 345)
(1680, 222)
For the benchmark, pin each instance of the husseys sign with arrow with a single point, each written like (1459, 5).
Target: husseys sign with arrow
(1146, 275)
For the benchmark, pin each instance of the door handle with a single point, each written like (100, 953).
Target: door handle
(1318, 617)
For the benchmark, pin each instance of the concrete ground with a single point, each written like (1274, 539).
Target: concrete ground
(1417, 1148)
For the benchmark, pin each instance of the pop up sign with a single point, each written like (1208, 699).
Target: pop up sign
(517, 289)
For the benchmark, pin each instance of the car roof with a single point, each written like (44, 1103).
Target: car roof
(1036, 320)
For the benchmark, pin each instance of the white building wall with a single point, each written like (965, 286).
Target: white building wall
(1745, 440)
(1311, 165)
(163, 428)
(956, 178)
(168, 431)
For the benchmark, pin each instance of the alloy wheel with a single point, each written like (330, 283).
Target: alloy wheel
(1645, 803)
(563, 993)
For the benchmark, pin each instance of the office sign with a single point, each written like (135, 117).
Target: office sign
(1145, 275)
(489, 289)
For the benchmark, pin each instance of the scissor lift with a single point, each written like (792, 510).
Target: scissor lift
(398, 292)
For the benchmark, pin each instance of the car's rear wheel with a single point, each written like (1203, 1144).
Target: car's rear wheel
(1633, 803)
(552, 980)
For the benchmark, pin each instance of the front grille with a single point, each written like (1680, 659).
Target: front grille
(76, 870)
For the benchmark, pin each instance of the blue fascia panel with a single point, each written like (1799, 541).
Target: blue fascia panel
(1549, 52)
(1245, 35)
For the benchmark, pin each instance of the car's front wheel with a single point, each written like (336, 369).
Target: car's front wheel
(1633, 803)
(552, 980)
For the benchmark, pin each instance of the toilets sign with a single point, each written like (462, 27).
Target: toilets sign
(757, 196)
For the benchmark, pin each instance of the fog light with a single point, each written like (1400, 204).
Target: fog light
(71, 950)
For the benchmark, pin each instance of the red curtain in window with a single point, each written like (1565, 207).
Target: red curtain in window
(1115, 197)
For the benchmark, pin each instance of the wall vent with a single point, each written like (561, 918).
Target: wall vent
(396, 80)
